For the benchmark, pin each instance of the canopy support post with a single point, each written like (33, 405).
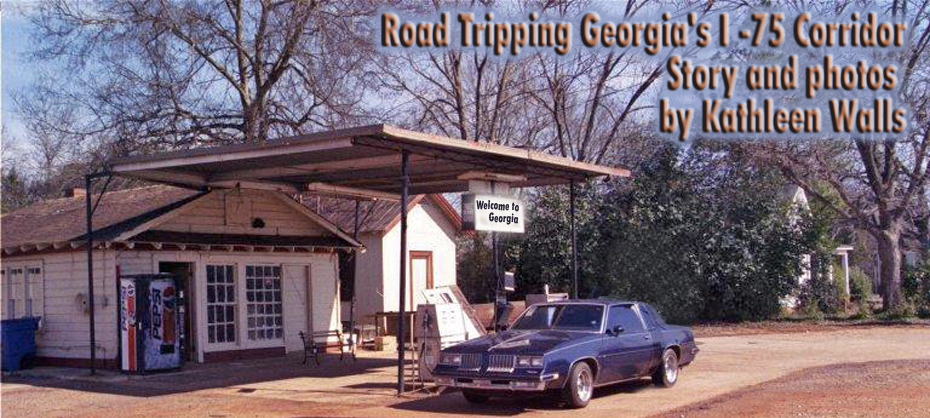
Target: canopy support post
(354, 281)
(90, 208)
(401, 320)
(499, 285)
(571, 205)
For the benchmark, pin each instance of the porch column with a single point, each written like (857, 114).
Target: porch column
(571, 206)
(401, 320)
(846, 273)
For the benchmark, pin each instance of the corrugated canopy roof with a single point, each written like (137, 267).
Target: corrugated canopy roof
(364, 158)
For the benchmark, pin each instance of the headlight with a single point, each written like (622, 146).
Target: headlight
(529, 361)
(450, 359)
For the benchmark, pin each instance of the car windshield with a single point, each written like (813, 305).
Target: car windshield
(562, 317)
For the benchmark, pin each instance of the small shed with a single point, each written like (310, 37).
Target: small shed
(434, 225)
(256, 267)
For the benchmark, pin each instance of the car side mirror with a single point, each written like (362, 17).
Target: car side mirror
(615, 331)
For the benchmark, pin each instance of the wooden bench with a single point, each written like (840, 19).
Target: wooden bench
(316, 343)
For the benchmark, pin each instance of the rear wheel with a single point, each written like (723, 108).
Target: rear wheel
(667, 373)
(474, 397)
(580, 386)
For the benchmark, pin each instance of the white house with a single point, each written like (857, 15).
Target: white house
(432, 227)
(201, 236)
(797, 200)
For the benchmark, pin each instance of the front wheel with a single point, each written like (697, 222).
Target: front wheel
(667, 373)
(474, 397)
(580, 386)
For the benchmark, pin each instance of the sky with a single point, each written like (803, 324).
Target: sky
(14, 28)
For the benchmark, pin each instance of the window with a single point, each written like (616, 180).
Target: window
(650, 316)
(221, 303)
(17, 309)
(9, 300)
(32, 306)
(656, 315)
(624, 316)
(263, 294)
(647, 317)
(538, 317)
(23, 286)
(564, 317)
(580, 317)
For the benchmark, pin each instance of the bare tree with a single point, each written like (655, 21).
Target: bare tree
(590, 100)
(580, 106)
(465, 94)
(160, 74)
(468, 94)
(13, 181)
(876, 186)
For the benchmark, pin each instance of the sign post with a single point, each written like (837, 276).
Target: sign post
(494, 213)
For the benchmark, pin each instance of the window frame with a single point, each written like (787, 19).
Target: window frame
(604, 310)
(635, 309)
(277, 329)
(18, 297)
(234, 268)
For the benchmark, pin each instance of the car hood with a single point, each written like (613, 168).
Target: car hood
(523, 342)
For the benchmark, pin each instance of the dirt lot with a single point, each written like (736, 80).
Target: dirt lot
(873, 389)
(759, 374)
(724, 329)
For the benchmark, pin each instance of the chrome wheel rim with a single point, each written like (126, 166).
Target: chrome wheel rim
(584, 385)
(671, 366)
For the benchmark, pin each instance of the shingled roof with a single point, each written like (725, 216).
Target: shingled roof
(64, 220)
(376, 216)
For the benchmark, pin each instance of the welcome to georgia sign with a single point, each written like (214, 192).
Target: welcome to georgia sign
(492, 213)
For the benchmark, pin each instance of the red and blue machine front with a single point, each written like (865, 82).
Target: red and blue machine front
(149, 320)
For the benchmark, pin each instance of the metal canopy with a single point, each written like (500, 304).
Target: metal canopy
(364, 159)
(370, 162)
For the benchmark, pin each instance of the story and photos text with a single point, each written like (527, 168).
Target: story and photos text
(766, 74)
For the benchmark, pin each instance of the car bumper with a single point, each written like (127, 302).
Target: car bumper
(689, 352)
(497, 384)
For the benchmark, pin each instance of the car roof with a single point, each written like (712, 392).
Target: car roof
(604, 302)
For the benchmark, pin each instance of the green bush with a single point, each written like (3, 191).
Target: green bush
(860, 288)
(696, 248)
(864, 310)
(806, 310)
(839, 280)
(820, 291)
(915, 286)
(905, 310)
(860, 285)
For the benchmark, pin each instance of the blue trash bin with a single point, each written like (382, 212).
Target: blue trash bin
(18, 340)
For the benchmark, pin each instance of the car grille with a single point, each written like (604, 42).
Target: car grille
(501, 363)
(471, 362)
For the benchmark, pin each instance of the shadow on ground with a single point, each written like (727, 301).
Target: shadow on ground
(194, 377)
(452, 402)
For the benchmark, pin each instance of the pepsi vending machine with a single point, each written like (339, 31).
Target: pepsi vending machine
(149, 323)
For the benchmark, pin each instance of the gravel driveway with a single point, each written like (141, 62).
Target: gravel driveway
(725, 365)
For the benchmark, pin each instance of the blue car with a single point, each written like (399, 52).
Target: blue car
(567, 349)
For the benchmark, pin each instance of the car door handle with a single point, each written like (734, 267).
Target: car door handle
(647, 337)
